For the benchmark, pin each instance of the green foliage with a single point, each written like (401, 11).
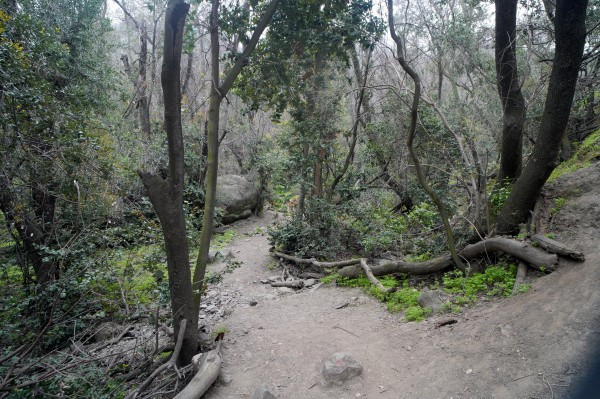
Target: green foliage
(586, 152)
(329, 279)
(416, 313)
(559, 203)
(223, 240)
(499, 196)
(495, 281)
(315, 235)
(523, 288)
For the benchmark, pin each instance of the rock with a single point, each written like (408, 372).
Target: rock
(263, 392)
(105, 333)
(340, 368)
(264, 281)
(270, 296)
(225, 254)
(237, 197)
(253, 303)
(285, 290)
(431, 300)
(310, 282)
(224, 379)
(317, 286)
(272, 279)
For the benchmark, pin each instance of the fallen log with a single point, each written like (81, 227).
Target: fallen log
(208, 367)
(536, 258)
(397, 266)
(314, 262)
(556, 247)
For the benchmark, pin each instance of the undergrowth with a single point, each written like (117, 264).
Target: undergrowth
(586, 152)
(495, 281)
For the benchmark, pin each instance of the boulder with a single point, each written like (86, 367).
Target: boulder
(237, 197)
(340, 368)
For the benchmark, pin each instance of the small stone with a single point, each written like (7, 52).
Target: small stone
(469, 371)
(224, 379)
(253, 303)
(211, 309)
(431, 300)
(285, 290)
(340, 368)
(310, 282)
(264, 281)
(270, 296)
(409, 348)
(358, 394)
(263, 392)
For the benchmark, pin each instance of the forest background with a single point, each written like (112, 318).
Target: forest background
(375, 145)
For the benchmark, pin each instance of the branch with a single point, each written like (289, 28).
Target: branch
(243, 59)
(171, 363)
(314, 262)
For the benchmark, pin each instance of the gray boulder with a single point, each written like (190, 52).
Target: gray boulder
(340, 368)
(237, 197)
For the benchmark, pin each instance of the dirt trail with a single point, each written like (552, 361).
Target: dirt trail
(533, 345)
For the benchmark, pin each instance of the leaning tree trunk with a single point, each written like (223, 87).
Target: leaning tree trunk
(414, 115)
(509, 88)
(570, 33)
(166, 192)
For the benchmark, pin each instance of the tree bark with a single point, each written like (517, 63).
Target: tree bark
(570, 33)
(166, 192)
(509, 88)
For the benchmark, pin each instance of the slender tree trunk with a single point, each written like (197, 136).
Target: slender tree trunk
(509, 88)
(570, 33)
(414, 115)
(217, 93)
(166, 192)
(143, 104)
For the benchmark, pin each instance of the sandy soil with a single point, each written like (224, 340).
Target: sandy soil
(532, 345)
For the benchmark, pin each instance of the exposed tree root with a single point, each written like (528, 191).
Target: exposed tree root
(523, 251)
(536, 258)
(289, 284)
(521, 274)
(398, 266)
(556, 247)
(208, 367)
(372, 279)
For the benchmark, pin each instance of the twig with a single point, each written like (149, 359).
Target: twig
(171, 363)
(349, 332)
(525, 376)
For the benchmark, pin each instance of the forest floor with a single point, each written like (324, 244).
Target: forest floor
(532, 345)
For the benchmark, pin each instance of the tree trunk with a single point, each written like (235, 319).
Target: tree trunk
(143, 104)
(166, 192)
(509, 88)
(570, 33)
(217, 93)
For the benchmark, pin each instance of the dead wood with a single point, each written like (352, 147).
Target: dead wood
(289, 284)
(447, 322)
(314, 262)
(397, 266)
(520, 250)
(171, 363)
(208, 367)
(372, 279)
(556, 247)
(114, 340)
(521, 274)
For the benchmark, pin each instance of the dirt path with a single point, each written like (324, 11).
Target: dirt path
(533, 345)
